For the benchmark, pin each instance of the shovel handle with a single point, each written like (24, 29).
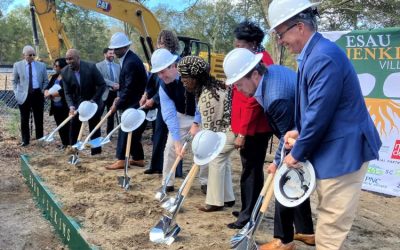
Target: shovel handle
(98, 125)
(63, 123)
(81, 131)
(178, 158)
(193, 172)
(268, 196)
(267, 183)
(128, 145)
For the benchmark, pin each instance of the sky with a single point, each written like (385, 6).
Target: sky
(174, 4)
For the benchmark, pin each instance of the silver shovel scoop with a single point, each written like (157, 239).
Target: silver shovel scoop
(166, 230)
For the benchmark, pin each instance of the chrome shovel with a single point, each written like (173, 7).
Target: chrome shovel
(167, 230)
(50, 137)
(74, 158)
(123, 181)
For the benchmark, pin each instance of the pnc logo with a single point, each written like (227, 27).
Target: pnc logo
(396, 150)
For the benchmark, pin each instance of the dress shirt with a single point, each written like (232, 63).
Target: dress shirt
(35, 83)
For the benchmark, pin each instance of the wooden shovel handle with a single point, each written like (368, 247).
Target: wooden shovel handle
(267, 183)
(193, 172)
(81, 131)
(128, 145)
(178, 158)
(268, 196)
(98, 125)
(63, 123)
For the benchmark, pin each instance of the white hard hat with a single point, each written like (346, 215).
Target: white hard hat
(238, 63)
(54, 89)
(207, 145)
(280, 11)
(161, 59)
(119, 40)
(87, 110)
(131, 119)
(292, 186)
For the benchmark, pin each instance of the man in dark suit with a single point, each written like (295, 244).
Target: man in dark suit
(30, 78)
(132, 82)
(82, 81)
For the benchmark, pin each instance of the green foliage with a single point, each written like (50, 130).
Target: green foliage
(86, 30)
(15, 34)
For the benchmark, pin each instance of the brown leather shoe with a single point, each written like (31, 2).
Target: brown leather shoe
(276, 244)
(119, 164)
(211, 208)
(139, 163)
(308, 239)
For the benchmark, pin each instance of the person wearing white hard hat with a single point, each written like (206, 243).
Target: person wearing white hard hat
(178, 109)
(274, 90)
(132, 82)
(334, 130)
(151, 99)
(58, 105)
(30, 78)
(214, 103)
(82, 81)
(250, 127)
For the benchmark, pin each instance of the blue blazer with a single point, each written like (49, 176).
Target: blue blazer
(337, 133)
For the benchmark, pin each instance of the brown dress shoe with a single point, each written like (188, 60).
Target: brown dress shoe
(308, 239)
(119, 164)
(276, 244)
(211, 208)
(139, 163)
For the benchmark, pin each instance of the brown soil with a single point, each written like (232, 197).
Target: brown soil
(112, 218)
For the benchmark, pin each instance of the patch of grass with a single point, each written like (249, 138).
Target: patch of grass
(11, 121)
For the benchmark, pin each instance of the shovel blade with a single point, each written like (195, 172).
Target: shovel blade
(168, 203)
(74, 159)
(95, 143)
(124, 182)
(152, 115)
(243, 237)
(78, 145)
(247, 243)
(160, 195)
(105, 141)
(165, 231)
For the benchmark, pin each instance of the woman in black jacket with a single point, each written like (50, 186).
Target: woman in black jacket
(59, 107)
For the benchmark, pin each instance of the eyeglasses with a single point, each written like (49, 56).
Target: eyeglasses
(31, 55)
(280, 35)
(69, 58)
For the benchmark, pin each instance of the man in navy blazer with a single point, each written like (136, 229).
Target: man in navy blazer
(132, 82)
(333, 128)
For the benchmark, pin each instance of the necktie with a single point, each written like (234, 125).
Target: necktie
(111, 72)
(30, 78)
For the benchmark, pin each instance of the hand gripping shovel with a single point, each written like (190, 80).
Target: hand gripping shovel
(86, 142)
(244, 239)
(162, 193)
(166, 230)
(124, 180)
(74, 158)
(50, 137)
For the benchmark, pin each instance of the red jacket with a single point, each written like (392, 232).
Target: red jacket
(248, 116)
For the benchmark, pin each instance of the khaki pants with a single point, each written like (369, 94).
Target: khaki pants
(338, 201)
(185, 122)
(219, 189)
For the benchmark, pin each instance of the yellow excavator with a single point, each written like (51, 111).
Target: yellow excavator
(133, 13)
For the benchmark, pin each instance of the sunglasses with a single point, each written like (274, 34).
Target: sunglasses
(31, 55)
(280, 35)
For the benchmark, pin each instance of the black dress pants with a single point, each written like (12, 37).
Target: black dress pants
(252, 178)
(76, 126)
(60, 114)
(159, 138)
(286, 216)
(136, 150)
(35, 102)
